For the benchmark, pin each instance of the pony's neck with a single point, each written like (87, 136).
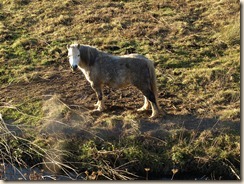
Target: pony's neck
(88, 55)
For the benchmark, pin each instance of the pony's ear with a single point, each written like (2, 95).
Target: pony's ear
(78, 46)
(67, 46)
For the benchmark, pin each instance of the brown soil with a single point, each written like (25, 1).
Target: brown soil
(75, 91)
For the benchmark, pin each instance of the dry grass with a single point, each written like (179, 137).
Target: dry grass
(196, 47)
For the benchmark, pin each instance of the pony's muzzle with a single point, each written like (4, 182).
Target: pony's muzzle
(74, 67)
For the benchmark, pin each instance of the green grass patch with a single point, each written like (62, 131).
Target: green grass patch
(196, 47)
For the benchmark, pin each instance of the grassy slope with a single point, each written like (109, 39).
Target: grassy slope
(196, 45)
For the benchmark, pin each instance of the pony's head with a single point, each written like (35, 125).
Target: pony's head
(74, 56)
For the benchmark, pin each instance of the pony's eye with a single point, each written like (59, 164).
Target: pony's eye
(79, 55)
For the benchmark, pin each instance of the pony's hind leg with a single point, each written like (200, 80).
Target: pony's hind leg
(145, 105)
(152, 99)
(154, 110)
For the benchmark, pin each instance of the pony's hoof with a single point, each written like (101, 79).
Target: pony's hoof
(100, 109)
(154, 116)
(141, 109)
(95, 110)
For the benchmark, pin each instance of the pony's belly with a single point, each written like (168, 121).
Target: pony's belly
(117, 84)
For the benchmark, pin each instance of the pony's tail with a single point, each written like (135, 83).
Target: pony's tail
(153, 80)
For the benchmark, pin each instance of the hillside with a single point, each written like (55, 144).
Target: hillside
(196, 49)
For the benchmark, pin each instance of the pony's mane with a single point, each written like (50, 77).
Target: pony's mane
(88, 53)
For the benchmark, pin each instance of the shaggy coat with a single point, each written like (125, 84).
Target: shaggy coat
(102, 69)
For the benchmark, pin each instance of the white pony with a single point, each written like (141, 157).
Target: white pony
(102, 69)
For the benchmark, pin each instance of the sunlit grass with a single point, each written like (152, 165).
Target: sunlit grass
(196, 46)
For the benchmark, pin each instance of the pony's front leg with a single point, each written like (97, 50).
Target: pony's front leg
(100, 104)
(96, 104)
